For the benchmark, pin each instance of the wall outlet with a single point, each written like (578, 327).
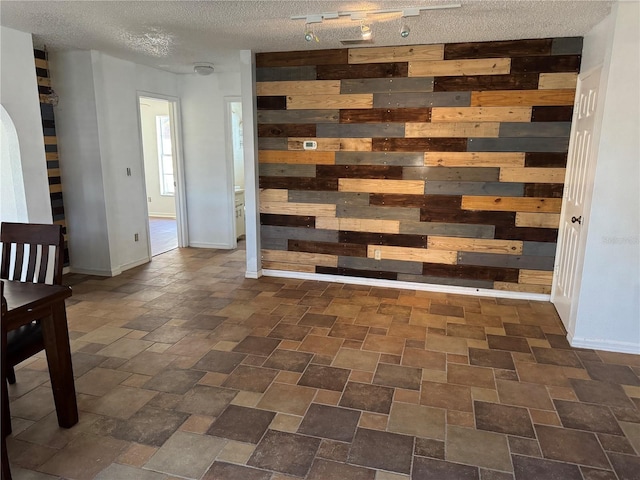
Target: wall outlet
(149, 199)
(136, 237)
(377, 254)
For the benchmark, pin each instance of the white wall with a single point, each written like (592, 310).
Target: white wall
(609, 303)
(19, 96)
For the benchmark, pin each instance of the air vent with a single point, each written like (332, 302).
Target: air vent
(356, 41)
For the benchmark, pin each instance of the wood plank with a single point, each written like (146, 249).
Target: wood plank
(53, 172)
(502, 219)
(507, 247)
(453, 174)
(550, 64)
(299, 183)
(51, 155)
(287, 220)
(473, 159)
(385, 115)
(552, 114)
(273, 195)
(288, 267)
(511, 204)
(286, 170)
(419, 201)
(338, 198)
(555, 81)
(507, 48)
(287, 130)
(441, 68)
(380, 158)
(514, 144)
(341, 249)
(271, 103)
(369, 238)
(526, 234)
(333, 144)
(507, 261)
(548, 190)
(358, 225)
(360, 130)
(386, 85)
(538, 129)
(523, 81)
(421, 100)
(545, 159)
(299, 257)
(56, 188)
(533, 175)
(46, 82)
(535, 277)
(399, 266)
(413, 254)
(380, 186)
(481, 114)
(470, 272)
(350, 272)
(540, 249)
(277, 74)
(272, 143)
(298, 116)
(312, 87)
(367, 70)
(42, 63)
(390, 172)
(447, 229)
(378, 213)
(522, 287)
(452, 129)
(297, 233)
(448, 187)
(50, 140)
(305, 156)
(303, 209)
(329, 102)
(567, 46)
(396, 54)
(302, 58)
(419, 144)
(503, 98)
(537, 220)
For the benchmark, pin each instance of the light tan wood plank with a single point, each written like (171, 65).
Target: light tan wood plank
(333, 144)
(289, 267)
(535, 277)
(413, 254)
(304, 209)
(44, 81)
(53, 172)
(302, 258)
(532, 175)
(396, 54)
(415, 187)
(55, 188)
(330, 102)
(521, 287)
(310, 87)
(511, 204)
(50, 140)
(42, 63)
(505, 98)
(453, 129)
(358, 225)
(274, 195)
(440, 68)
(509, 247)
(554, 81)
(481, 114)
(537, 220)
(51, 155)
(300, 157)
(473, 159)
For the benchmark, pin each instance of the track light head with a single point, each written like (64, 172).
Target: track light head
(365, 31)
(404, 31)
(309, 35)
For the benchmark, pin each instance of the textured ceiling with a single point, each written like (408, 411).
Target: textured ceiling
(172, 35)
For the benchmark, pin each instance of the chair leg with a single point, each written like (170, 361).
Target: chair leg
(11, 375)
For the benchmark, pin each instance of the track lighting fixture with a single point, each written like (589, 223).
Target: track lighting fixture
(404, 31)
(365, 31)
(308, 34)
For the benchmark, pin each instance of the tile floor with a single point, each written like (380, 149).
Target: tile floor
(184, 369)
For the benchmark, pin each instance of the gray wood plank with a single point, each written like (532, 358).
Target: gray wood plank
(566, 46)
(270, 243)
(272, 143)
(460, 282)
(411, 100)
(298, 116)
(286, 170)
(536, 129)
(508, 261)
(279, 74)
(338, 198)
(447, 229)
(539, 249)
(464, 174)
(386, 85)
(378, 213)
(358, 263)
(518, 145)
(298, 233)
(380, 158)
(474, 188)
(360, 130)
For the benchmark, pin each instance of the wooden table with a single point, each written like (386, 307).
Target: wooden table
(36, 301)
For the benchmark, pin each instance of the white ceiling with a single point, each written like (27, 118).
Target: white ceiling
(172, 35)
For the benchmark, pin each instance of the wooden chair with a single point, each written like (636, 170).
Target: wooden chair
(4, 397)
(26, 257)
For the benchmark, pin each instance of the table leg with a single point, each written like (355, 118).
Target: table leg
(56, 343)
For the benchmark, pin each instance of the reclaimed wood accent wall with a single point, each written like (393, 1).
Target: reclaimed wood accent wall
(439, 164)
(50, 144)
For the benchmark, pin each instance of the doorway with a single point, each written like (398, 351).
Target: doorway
(235, 160)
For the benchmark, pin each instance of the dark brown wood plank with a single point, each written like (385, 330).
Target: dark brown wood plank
(527, 234)
(345, 249)
(526, 81)
(496, 274)
(385, 115)
(545, 159)
(287, 220)
(300, 183)
(562, 113)
(509, 48)
(396, 240)
(545, 190)
(551, 64)
(364, 70)
(359, 171)
(350, 272)
(301, 58)
(287, 130)
(272, 103)
(441, 215)
(440, 202)
(419, 145)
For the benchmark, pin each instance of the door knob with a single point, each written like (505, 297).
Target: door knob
(577, 220)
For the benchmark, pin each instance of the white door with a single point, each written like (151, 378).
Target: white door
(576, 201)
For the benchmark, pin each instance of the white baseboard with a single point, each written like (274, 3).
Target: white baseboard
(253, 274)
(603, 344)
(426, 287)
(131, 265)
(221, 246)
(162, 215)
(93, 271)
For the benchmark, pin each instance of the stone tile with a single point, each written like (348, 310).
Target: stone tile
(257, 346)
(229, 471)
(285, 398)
(241, 424)
(192, 346)
(603, 393)
(125, 348)
(252, 379)
(542, 374)
(147, 322)
(511, 344)
(34, 405)
(427, 447)
(465, 331)
(597, 474)
(321, 345)
(206, 400)
(356, 360)
(325, 469)
(174, 381)
(475, 447)
(317, 320)
(22, 474)
(443, 395)
(397, 376)
(632, 431)
(197, 424)
(527, 468)
(470, 375)
(285, 452)
(503, 419)
(427, 468)
(524, 394)
(218, 361)
(519, 330)
(413, 357)
(236, 452)
(332, 450)
(444, 343)
(124, 472)
(289, 332)
(571, 446)
(491, 358)
(553, 356)
(104, 335)
(149, 426)
(581, 416)
(186, 455)
(372, 398)
(417, 420)
(288, 360)
(352, 332)
(330, 422)
(99, 381)
(328, 378)
(616, 443)
(121, 402)
(167, 334)
(204, 321)
(383, 450)
(524, 446)
(626, 466)
(606, 372)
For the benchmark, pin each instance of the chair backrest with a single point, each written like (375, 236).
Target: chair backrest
(26, 252)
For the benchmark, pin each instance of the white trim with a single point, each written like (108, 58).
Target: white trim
(602, 344)
(221, 246)
(253, 274)
(231, 172)
(162, 215)
(425, 287)
(91, 271)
